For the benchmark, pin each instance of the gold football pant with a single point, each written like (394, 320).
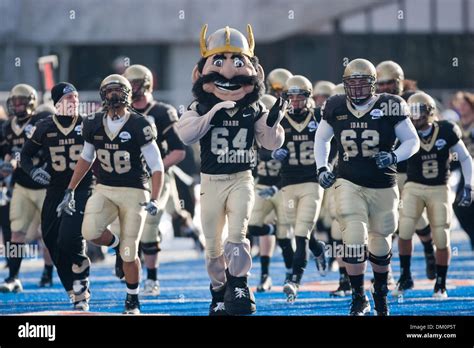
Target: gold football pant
(231, 197)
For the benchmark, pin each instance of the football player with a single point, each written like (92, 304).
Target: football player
(120, 138)
(60, 138)
(276, 80)
(322, 90)
(426, 187)
(300, 189)
(28, 195)
(164, 116)
(267, 210)
(227, 119)
(390, 79)
(365, 126)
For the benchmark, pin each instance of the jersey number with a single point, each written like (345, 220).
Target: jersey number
(305, 151)
(368, 146)
(430, 169)
(220, 144)
(269, 168)
(121, 161)
(58, 157)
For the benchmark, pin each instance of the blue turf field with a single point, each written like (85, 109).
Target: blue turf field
(185, 291)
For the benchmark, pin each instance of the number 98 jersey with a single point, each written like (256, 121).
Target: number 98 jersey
(119, 154)
(361, 134)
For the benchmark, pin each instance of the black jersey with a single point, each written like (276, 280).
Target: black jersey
(60, 138)
(228, 146)
(268, 169)
(430, 165)
(119, 154)
(360, 135)
(165, 117)
(15, 135)
(299, 166)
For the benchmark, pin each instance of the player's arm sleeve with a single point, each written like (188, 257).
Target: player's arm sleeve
(271, 138)
(322, 143)
(152, 156)
(28, 151)
(409, 141)
(465, 159)
(88, 152)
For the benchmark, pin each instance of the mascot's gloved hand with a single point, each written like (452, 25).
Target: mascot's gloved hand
(279, 106)
(228, 104)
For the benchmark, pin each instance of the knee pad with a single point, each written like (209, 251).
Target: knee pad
(354, 254)
(150, 248)
(380, 260)
(441, 238)
(355, 233)
(424, 231)
(264, 230)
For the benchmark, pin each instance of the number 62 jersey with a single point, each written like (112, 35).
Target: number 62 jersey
(361, 134)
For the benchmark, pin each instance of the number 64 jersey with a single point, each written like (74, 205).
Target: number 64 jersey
(119, 154)
(361, 134)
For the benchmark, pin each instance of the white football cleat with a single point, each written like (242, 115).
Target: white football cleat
(11, 285)
(151, 288)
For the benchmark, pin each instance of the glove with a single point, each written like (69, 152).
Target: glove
(40, 176)
(326, 177)
(6, 168)
(268, 192)
(151, 207)
(280, 154)
(68, 204)
(466, 198)
(274, 113)
(384, 159)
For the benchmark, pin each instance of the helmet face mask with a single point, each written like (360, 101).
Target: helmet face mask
(115, 91)
(297, 91)
(141, 79)
(422, 109)
(359, 89)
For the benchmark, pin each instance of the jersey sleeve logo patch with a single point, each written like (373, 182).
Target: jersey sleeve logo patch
(312, 126)
(124, 136)
(78, 129)
(440, 143)
(29, 130)
(376, 114)
(341, 117)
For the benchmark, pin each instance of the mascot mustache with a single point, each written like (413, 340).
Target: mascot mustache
(210, 99)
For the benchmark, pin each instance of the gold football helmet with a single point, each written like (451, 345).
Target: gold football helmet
(268, 100)
(422, 109)
(323, 88)
(117, 83)
(297, 91)
(226, 40)
(391, 74)
(338, 89)
(276, 80)
(141, 79)
(359, 80)
(22, 95)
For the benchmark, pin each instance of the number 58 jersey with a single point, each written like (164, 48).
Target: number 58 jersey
(361, 134)
(119, 154)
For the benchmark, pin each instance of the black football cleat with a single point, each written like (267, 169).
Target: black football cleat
(132, 305)
(265, 283)
(380, 301)
(238, 297)
(344, 288)
(360, 305)
(217, 307)
(46, 280)
(404, 284)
